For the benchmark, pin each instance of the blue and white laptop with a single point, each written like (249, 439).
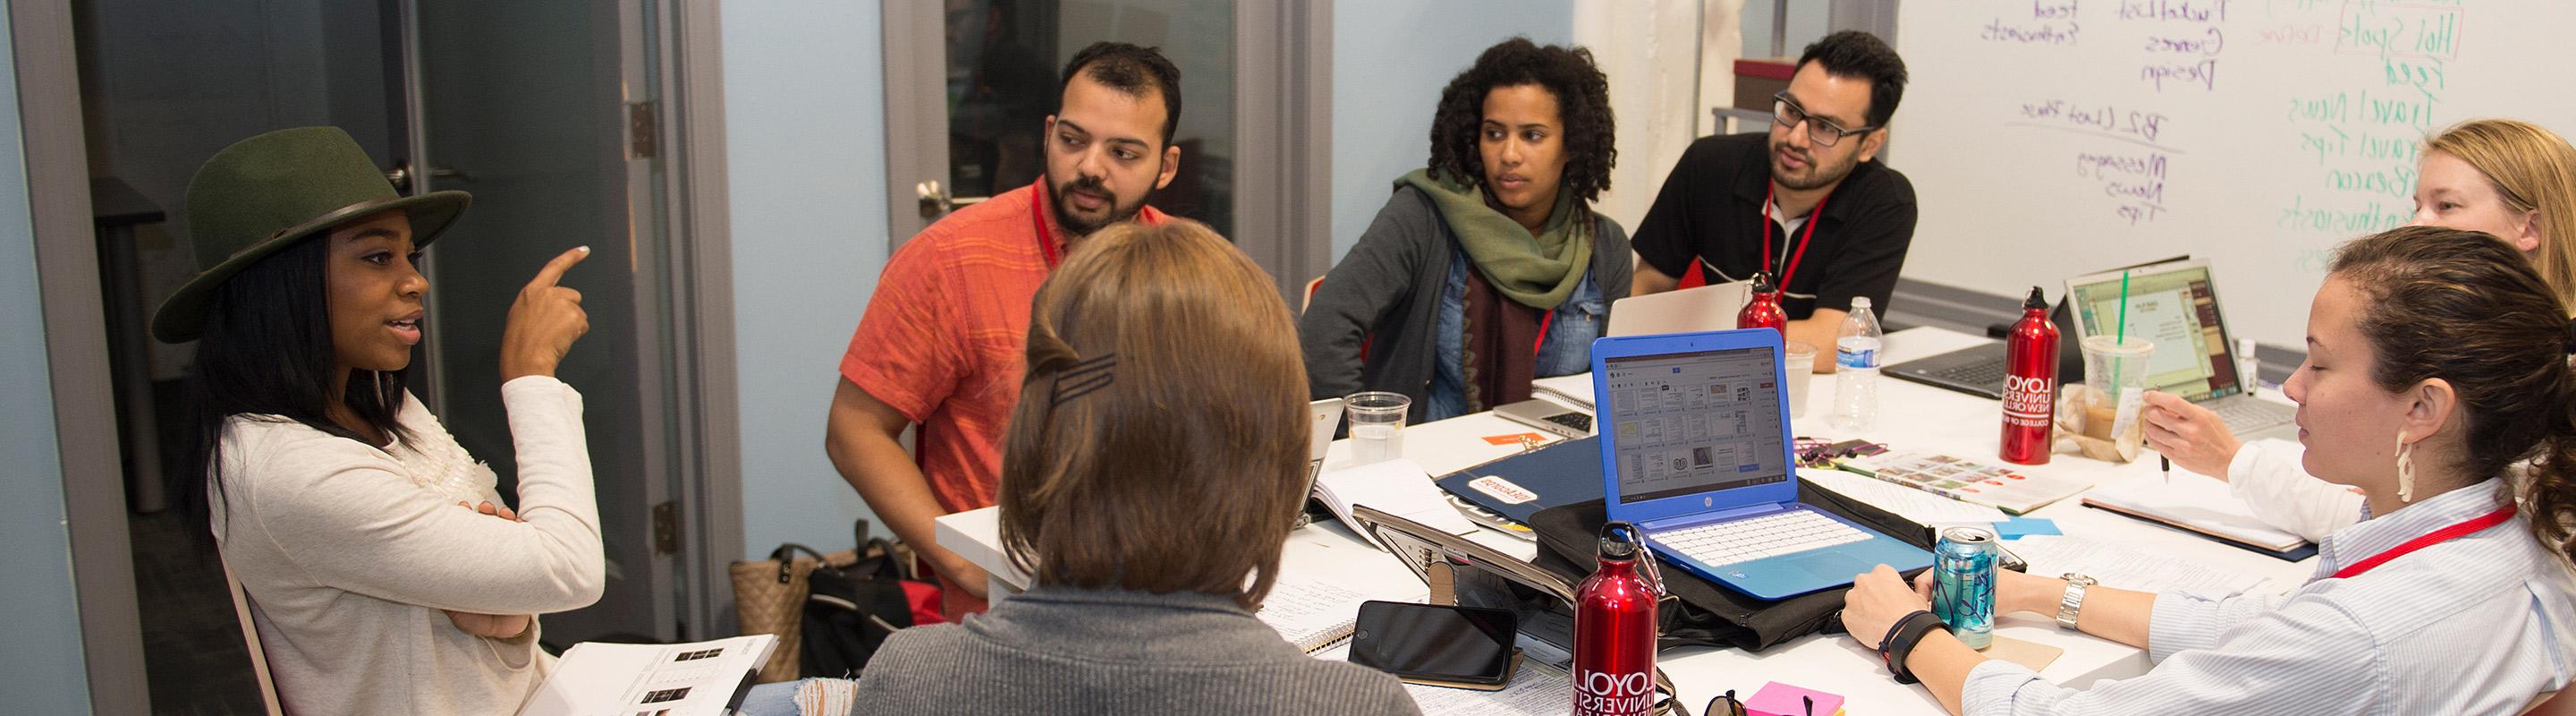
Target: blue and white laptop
(1695, 452)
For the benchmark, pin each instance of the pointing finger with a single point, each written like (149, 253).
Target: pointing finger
(554, 270)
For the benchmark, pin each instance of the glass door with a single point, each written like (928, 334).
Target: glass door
(998, 63)
(545, 111)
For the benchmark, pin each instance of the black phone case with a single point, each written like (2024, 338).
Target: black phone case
(1511, 665)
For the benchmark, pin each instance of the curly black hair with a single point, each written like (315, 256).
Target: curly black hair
(1582, 102)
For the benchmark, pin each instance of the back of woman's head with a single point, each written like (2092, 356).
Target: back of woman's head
(2465, 308)
(2532, 169)
(1159, 443)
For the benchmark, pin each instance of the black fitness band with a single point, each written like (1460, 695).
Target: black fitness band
(1901, 642)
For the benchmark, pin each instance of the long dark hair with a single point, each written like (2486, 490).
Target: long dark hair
(2464, 307)
(267, 352)
(1582, 104)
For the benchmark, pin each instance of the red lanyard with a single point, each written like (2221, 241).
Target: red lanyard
(1037, 215)
(1545, 321)
(1802, 240)
(2435, 537)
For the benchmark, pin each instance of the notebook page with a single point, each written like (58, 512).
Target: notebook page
(2195, 503)
(2125, 568)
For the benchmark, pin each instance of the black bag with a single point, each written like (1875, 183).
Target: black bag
(851, 609)
(1710, 614)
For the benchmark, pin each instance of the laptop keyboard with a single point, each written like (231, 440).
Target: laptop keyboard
(2246, 414)
(1725, 543)
(1981, 373)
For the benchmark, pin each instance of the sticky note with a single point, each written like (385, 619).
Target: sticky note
(2019, 527)
(1778, 699)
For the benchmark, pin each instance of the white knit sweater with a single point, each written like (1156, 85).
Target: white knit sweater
(349, 552)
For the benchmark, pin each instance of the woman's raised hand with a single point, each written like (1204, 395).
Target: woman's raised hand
(544, 322)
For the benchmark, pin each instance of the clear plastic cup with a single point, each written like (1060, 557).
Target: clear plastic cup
(1799, 361)
(2115, 381)
(1377, 425)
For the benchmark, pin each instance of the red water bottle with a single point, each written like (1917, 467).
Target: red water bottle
(1614, 628)
(1763, 311)
(2030, 384)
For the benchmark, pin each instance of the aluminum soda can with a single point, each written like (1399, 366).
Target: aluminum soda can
(1963, 584)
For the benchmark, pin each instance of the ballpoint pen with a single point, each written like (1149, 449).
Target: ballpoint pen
(2168, 467)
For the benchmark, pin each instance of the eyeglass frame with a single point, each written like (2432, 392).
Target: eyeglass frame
(1813, 122)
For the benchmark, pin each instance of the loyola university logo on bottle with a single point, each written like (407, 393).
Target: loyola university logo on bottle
(1601, 693)
(2026, 400)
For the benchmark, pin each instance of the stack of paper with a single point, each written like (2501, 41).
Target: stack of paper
(701, 679)
(1397, 487)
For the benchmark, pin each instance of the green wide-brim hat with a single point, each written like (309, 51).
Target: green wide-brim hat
(271, 191)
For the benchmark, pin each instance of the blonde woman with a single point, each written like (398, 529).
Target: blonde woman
(2510, 179)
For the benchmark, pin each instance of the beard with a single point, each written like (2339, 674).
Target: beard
(1077, 225)
(1818, 175)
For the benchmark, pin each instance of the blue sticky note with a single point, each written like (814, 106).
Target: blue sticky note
(2019, 527)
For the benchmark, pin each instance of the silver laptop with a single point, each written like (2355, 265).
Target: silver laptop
(2176, 305)
(1690, 310)
(1322, 417)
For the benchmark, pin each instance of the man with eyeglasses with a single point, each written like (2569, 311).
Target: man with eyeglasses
(1807, 202)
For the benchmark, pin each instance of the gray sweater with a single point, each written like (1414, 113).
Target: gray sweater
(1076, 651)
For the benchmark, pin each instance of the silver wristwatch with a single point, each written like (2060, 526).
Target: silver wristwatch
(2073, 603)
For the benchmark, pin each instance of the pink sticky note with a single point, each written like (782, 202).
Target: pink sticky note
(1778, 699)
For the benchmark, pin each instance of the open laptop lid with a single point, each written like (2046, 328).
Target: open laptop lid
(2176, 306)
(1692, 423)
(1690, 310)
(1322, 418)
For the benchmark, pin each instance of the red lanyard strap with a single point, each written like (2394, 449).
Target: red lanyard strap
(2435, 537)
(1037, 215)
(1809, 235)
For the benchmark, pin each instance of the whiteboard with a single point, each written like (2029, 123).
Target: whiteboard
(2048, 139)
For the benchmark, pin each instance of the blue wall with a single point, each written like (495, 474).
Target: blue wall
(44, 621)
(804, 85)
(1390, 60)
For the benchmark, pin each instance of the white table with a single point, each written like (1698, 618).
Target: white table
(1911, 417)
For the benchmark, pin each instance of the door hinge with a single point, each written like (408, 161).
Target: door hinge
(642, 129)
(666, 528)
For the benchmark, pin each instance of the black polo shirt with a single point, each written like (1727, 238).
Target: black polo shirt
(1710, 209)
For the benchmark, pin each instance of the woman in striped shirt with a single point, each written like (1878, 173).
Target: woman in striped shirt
(2435, 360)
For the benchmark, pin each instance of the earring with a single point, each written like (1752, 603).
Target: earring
(2405, 469)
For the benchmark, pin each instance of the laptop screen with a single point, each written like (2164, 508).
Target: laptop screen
(2178, 310)
(1688, 423)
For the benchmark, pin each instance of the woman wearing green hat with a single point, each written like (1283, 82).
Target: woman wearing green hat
(382, 576)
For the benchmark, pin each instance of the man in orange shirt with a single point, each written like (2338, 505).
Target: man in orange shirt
(943, 341)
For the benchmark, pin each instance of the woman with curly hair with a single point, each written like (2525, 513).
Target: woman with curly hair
(1488, 268)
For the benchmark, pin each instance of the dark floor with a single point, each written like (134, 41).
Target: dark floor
(193, 657)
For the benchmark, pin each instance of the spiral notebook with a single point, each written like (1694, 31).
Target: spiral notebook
(1314, 615)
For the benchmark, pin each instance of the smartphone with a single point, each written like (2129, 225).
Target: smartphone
(1433, 643)
(1549, 416)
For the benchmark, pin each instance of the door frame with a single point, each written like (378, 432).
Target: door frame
(49, 106)
(1283, 73)
(707, 441)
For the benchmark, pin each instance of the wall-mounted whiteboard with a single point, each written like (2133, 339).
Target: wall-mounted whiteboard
(2052, 138)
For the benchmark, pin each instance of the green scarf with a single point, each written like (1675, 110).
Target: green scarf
(1535, 271)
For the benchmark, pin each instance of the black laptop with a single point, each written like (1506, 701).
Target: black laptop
(1979, 370)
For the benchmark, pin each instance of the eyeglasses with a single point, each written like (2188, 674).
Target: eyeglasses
(1823, 132)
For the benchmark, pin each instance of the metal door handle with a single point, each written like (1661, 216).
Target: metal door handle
(936, 202)
(400, 175)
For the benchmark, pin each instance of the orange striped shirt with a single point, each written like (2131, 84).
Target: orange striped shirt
(944, 340)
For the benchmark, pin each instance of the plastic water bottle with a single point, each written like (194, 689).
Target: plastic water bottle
(1856, 357)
